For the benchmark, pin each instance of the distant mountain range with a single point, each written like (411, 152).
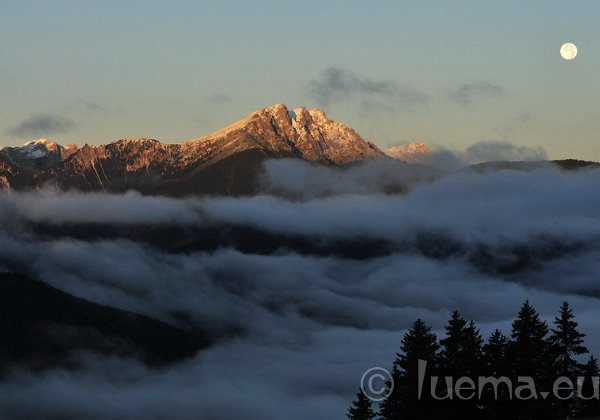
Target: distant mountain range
(226, 162)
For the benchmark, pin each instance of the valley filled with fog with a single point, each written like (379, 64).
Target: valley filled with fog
(302, 287)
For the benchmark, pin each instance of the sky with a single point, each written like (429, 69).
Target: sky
(448, 74)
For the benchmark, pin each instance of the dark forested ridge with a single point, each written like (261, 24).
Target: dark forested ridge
(41, 326)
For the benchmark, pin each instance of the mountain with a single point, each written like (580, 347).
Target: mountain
(309, 135)
(227, 161)
(565, 164)
(38, 154)
(42, 326)
(411, 153)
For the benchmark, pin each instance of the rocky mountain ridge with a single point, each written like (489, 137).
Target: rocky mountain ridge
(224, 162)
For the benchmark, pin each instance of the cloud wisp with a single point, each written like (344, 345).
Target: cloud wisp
(41, 125)
(337, 84)
(467, 93)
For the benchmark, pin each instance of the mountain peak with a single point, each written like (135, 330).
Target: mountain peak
(281, 110)
(303, 114)
(134, 140)
(38, 153)
(40, 141)
(318, 114)
(278, 130)
(412, 152)
(276, 108)
(40, 146)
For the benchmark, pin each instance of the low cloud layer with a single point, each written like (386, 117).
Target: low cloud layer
(294, 178)
(487, 151)
(57, 207)
(297, 330)
(40, 126)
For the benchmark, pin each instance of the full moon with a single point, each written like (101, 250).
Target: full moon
(568, 51)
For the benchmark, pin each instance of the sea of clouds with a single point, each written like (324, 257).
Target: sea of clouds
(295, 330)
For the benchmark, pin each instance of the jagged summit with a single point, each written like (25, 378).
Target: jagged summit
(307, 134)
(135, 140)
(47, 143)
(41, 145)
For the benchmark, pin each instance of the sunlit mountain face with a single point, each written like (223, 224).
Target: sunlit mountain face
(276, 210)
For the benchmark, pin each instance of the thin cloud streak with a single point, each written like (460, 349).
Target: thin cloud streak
(336, 84)
(41, 125)
(467, 93)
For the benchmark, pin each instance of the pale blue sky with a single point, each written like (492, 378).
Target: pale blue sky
(446, 73)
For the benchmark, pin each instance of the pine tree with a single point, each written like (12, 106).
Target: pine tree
(497, 403)
(452, 345)
(529, 348)
(461, 355)
(566, 343)
(461, 349)
(361, 408)
(419, 343)
(589, 408)
(530, 357)
(473, 350)
(494, 353)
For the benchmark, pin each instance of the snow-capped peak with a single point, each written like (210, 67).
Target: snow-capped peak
(41, 146)
(39, 153)
(45, 142)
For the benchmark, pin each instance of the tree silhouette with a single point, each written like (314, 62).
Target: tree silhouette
(530, 357)
(566, 343)
(589, 407)
(529, 347)
(460, 356)
(530, 352)
(419, 343)
(495, 354)
(497, 365)
(361, 408)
